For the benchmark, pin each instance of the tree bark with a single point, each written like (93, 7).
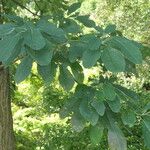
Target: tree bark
(6, 121)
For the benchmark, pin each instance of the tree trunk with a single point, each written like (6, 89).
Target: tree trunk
(6, 121)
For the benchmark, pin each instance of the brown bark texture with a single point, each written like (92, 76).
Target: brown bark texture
(6, 122)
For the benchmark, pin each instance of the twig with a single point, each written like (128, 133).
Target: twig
(38, 6)
(22, 6)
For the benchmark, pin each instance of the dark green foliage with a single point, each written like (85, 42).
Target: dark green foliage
(60, 49)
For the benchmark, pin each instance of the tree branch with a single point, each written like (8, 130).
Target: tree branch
(22, 6)
(41, 11)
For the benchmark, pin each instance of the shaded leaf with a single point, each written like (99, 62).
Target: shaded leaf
(65, 78)
(113, 60)
(77, 122)
(96, 133)
(109, 91)
(76, 50)
(99, 107)
(110, 28)
(114, 105)
(70, 26)
(68, 107)
(116, 139)
(43, 56)
(7, 45)
(86, 21)
(74, 7)
(47, 72)
(90, 58)
(128, 48)
(88, 113)
(128, 117)
(127, 92)
(34, 39)
(14, 54)
(91, 42)
(23, 70)
(100, 95)
(147, 107)
(56, 34)
(146, 130)
(77, 71)
(6, 29)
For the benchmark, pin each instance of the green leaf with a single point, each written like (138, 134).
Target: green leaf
(109, 91)
(86, 21)
(47, 72)
(114, 105)
(65, 78)
(127, 92)
(113, 60)
(99, 29)
(70, 26)
(77, 71)
(88, 113)
(128, 48)
(69, 107)
(76, 50)
(77, 122)
(74, 7)
(34, 39)
(91, 42)
(14, 18)
(128, 117)
(146, 130)
(130, 67)
(116, 139)
(6, 29)
(100, 95)
(14, 54)
(147, 107)
(96, 133)
(90, 58)
(23, 70)
(99, 107)
(44, 56)
(7, 45)
(110, 28)
(56, 34)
